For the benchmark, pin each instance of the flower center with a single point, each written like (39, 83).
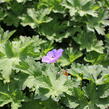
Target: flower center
(52, 57)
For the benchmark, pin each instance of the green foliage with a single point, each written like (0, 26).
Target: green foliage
(29, 29)
(59, 30)
(90, 45)
(91, 95)
(69, 56)
(81, 7)
(13, 52)
(42, 105)
(9, 93)
(35, 18)
(43, 79)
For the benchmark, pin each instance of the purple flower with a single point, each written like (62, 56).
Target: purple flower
(52, 56)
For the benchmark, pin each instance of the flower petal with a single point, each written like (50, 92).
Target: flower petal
(51, 53)
(45, 59)
(59, 53)
(52, 56)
